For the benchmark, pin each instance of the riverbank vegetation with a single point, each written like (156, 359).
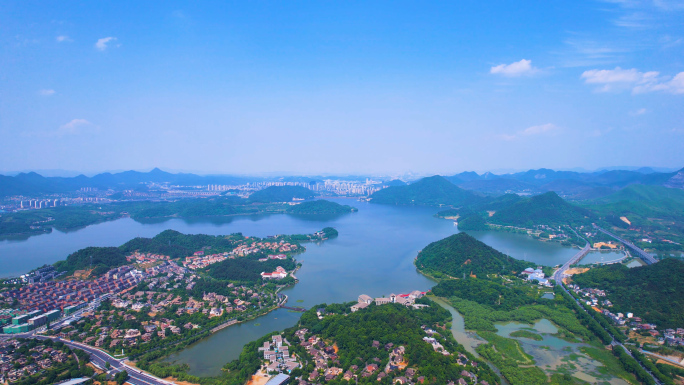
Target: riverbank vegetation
(523, 333)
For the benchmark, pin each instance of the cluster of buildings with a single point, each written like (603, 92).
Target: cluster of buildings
(60, 294)
(405, 299)
(245, 249)
(28, 321)
(596, 299)
(103, 334)
(138, 257)
(43, 274)
(328, 367)
(15, 366)
(166, 267)
(278, 256)
(200, 261)
(277, 353)
(279, 273)
(331, 186)
(536, 275)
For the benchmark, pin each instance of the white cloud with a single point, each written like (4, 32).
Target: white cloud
(46, 92)
(620, 79)
(519, 68)
(63, 39)
(638, 112)
(547, 128)
(75, 126)
(102, 43)
(535, 130)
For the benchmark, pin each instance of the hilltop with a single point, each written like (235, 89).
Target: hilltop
(462, 254)
(654, 292)
(321, 206)
(546, 208)
(431, 191)
(281, 194)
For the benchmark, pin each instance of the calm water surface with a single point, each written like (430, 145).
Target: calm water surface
(373, 255)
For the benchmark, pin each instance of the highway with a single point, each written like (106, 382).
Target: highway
(646, 257)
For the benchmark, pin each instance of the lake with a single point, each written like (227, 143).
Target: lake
(373, 255)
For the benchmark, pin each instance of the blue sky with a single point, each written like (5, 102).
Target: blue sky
(341, 87)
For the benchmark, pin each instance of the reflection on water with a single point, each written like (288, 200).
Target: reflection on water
(636, 263)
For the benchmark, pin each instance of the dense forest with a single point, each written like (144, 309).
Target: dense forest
(654, 292)
(473, 222)
(281, 194)
(103, 259)
(461, 254)
(432, 191)
(320, 206)
(486, 292)
(247, 269)
(178, 245)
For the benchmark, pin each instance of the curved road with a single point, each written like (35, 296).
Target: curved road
(100, 358)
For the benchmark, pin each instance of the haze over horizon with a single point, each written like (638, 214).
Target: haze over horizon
(341, 88)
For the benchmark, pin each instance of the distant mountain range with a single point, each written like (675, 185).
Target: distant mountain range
(568, 184)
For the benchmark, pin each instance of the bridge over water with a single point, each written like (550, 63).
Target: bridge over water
(646, 257)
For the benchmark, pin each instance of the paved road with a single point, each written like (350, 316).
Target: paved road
(100, 358)
(560, 273)
(646, 257)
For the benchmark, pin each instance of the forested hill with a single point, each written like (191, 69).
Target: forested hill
(462, 254)
(640, 202)
(546, 208)
(351, 338)
(321, 206)
(654, 292)
(281, 194)
(432, 191)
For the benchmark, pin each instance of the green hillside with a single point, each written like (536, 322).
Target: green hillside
(462, 254)
(432, 191)
(321, 206)
(473, 222)
(654, 292)
(655, 210)
(281, 194)
(548, 208)
(642, 201)
(103, 259)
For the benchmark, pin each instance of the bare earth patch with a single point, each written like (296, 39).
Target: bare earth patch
(577, 270)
